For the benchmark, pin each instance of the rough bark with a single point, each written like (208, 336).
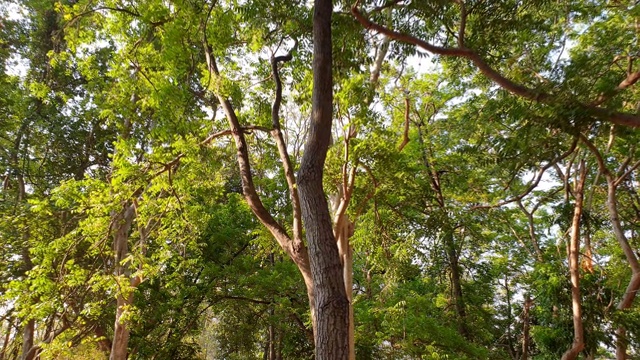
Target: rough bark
(574, 268)
(331, 305)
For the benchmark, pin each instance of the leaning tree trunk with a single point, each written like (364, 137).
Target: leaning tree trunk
(331, 304)
(574, 269)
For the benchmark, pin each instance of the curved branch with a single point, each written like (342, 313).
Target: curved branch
(282, 147)
(620, 118)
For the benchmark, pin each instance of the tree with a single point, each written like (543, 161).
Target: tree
(451, 180)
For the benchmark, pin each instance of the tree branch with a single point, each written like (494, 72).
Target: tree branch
(297, 254)
(282, 148)
(620, 118)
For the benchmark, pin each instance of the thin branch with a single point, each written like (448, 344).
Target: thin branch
(629, 81)
(405, 137)
(536, 180)
(463, 22)
(295, 252)
(627, 173)
(282, 147)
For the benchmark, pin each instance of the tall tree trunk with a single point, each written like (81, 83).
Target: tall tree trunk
(29, 326)
(343, 232)
(512, 350)
(574, 268)
(121, 330)
(331, 303)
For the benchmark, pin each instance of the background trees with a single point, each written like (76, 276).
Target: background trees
(475, 165)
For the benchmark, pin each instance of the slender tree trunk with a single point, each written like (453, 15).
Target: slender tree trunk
(29, 327)
(28, 351)
(125, 297)
(574, 269)
(510, 346)
(343, 233)
(456, 283)
(331, 303)
(525, 328)
(634, 283)
(121, 331)
(343, 230)
(7, 338)
(612, 204)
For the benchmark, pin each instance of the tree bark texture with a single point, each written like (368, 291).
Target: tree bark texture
(331, 303)
(574, 268)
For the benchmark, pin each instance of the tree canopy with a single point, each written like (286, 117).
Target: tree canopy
(222, 179)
